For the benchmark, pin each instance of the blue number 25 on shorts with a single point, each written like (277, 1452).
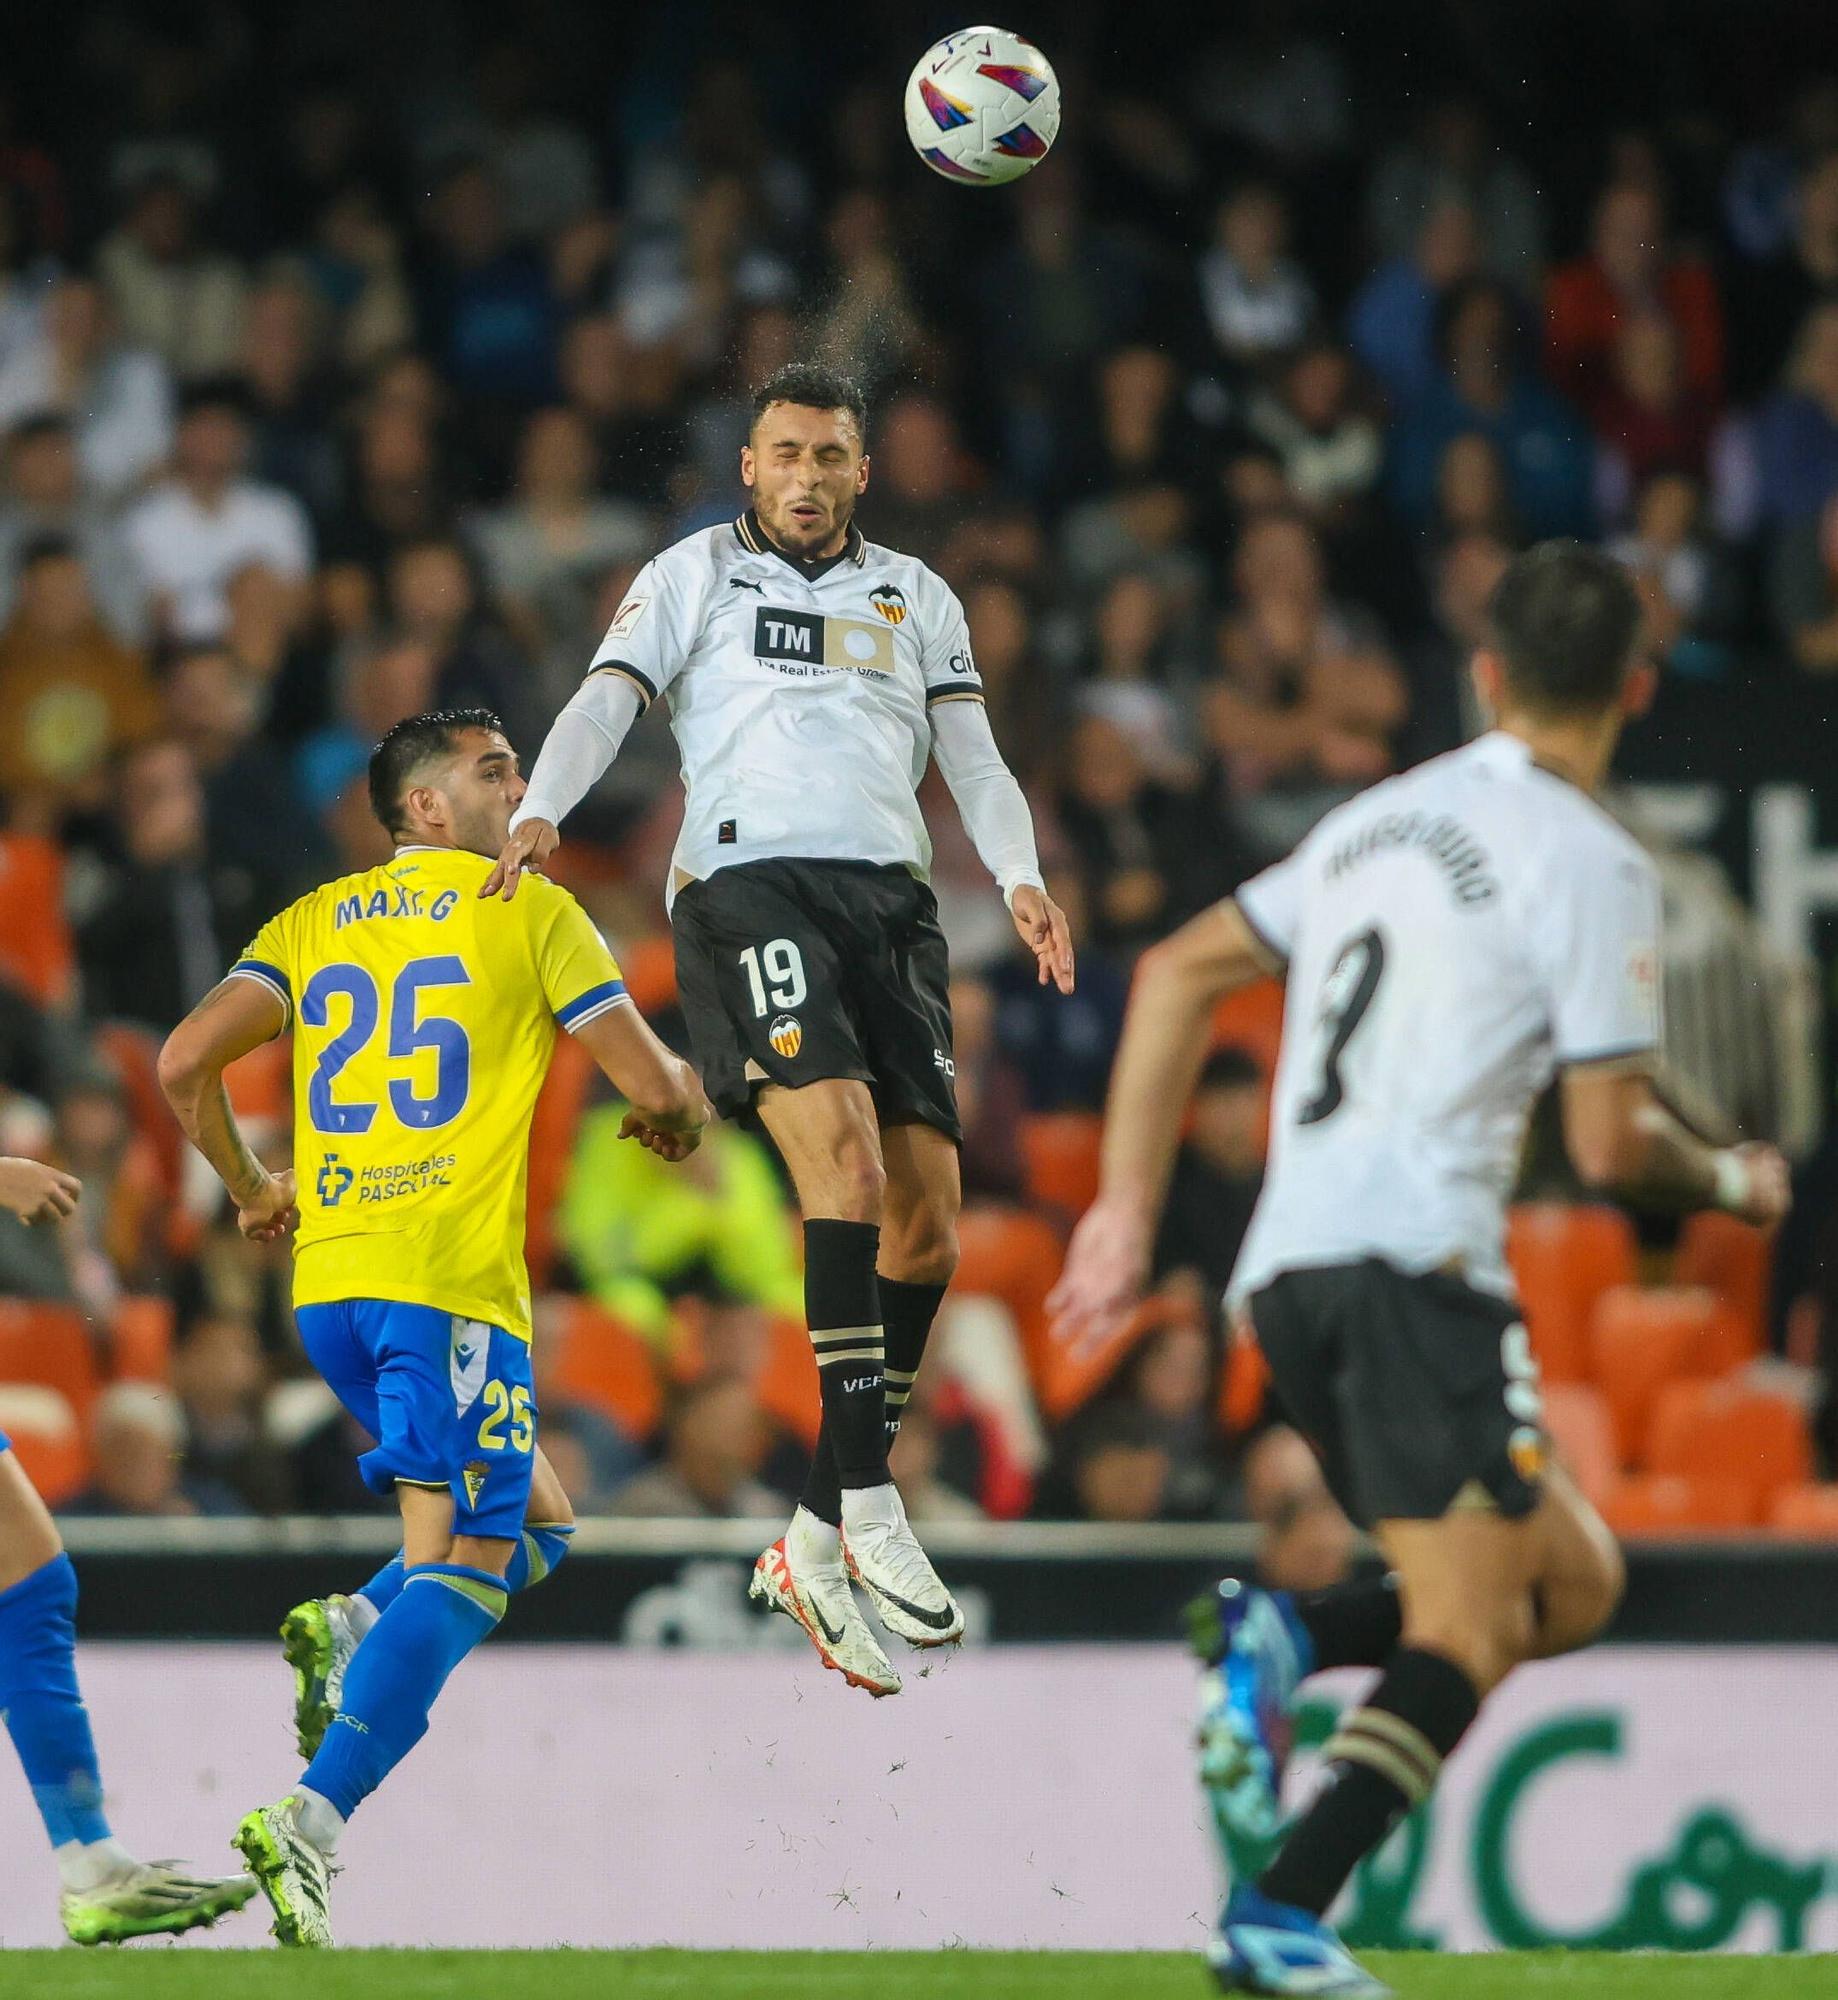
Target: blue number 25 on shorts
(449, 1401)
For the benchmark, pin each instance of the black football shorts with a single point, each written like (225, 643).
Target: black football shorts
(793, 971)
(1418, 1392)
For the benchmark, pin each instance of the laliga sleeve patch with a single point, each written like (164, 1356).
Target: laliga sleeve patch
(627, 617)
(1641, 981)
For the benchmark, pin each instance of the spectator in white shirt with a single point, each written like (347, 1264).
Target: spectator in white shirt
(118, 399)
(171, 292)
(1257, 300)
(197, 529)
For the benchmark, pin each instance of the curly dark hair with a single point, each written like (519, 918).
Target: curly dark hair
(812, 386)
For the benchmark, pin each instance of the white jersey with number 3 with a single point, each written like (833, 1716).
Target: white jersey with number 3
(1453, 936)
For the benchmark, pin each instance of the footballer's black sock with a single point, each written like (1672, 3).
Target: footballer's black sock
(907, 1313)
(1383, 1759)
(842, 1305)
(1355, 1624)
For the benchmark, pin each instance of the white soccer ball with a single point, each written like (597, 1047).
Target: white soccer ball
(982, 107)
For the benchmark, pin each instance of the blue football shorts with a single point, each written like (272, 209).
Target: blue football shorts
(449, 1401)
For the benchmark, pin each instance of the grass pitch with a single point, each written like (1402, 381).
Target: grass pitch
(160, 1972)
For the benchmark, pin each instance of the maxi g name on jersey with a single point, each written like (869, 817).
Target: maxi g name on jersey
(799, 694)
(423, 1021)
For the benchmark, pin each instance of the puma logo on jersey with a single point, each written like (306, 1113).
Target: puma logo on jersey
(746, 583)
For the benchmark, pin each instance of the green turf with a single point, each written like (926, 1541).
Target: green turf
(152, 1972)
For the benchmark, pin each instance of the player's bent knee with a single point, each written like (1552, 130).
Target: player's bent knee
(1576, 1605)
(921, 1249)
(858, 1184)
(486, 1552)
(1486, 1647)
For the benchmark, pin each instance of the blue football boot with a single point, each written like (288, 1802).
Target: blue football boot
(1259, 1655)
(1277, 1950)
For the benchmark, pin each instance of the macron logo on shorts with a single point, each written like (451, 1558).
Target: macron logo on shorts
(466, 1361)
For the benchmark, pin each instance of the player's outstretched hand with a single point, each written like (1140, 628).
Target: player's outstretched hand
(1770, 1185)
(1045, 932)
(272, 1213)
(666, 1144)
(529, 847)
(1107, 1265)
(36, 1192)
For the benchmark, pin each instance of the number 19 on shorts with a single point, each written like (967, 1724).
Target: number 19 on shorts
(775, 976)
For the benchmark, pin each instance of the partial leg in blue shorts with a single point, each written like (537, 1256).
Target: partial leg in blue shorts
(108, 1896)
(451, 1404)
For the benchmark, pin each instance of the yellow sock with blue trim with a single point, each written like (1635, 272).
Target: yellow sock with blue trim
(396, 1675)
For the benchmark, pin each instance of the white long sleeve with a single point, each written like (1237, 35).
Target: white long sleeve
(989, 801)
(582, 741)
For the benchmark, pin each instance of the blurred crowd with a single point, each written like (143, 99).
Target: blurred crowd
(355, 371)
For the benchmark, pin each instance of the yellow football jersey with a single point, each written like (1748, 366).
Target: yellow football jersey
(424, 1019)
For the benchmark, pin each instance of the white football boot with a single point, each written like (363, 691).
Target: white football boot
(804, 1576)
(885, 1558)
(149, 1899)
(318, 1639)
(295, 1875)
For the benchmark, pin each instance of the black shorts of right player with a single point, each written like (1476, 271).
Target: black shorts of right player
(792, 971)
(1417, 1391)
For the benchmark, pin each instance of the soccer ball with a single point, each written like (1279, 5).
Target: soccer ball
(982, 107)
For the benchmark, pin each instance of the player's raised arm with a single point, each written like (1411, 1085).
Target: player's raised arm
(582, 741)
(1178, 984)
(995, 814)
(644, 647)
(668, 1108)
(994, 811)
(236, 1016)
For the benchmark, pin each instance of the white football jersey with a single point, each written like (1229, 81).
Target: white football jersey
(799, 694)
(1453, 936)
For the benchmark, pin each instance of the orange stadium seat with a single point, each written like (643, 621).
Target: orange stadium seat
(559, 1105)
(598, 1359)
(1735, 1260)
(1661, 1504)
(1244, 1384)
(1564, 1257)
(1640, 1339)
(47, 1441)
(1580, 1425)
(1807, 1511)
(1252, 1019)
(787, 1384)
(261, 1083)
(1067, 1379)
(649, 967)
(35, 947)
(140, 1339)
(1061, 1150)
(49, 1345)
(1015, 1256)
(1725, 1430)
(135, 1055)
